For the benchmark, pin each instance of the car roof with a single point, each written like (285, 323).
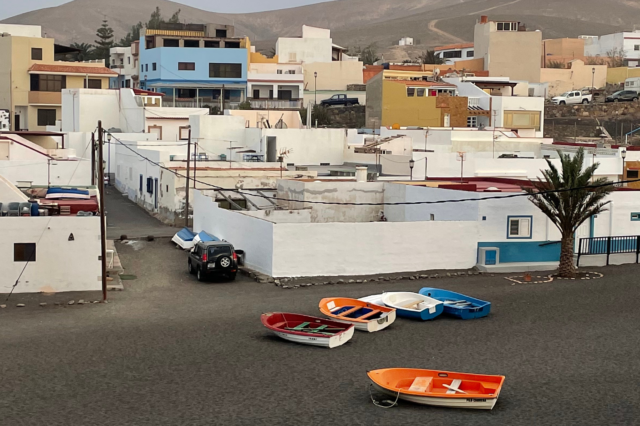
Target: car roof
(215, 243)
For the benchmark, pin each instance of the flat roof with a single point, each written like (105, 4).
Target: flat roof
(454, 46)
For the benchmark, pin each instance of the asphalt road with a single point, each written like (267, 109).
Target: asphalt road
(125, 217)
(172, 351)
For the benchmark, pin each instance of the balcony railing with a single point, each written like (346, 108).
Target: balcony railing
(276, 104)
(474, 102)
(45, 98)
(116, 66)
(200, 102)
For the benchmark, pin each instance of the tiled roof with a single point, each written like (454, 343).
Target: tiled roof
(454, 46)
(71, 69)
(418, 83)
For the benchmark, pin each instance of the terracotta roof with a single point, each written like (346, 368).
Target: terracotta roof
(454, 46)
(72, 69)
(146, 92)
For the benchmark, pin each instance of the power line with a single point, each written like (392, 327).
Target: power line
(407, 203)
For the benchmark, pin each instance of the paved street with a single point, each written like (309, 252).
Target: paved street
(124, 217)
(172, 351)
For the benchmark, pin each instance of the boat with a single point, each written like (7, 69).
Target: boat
(308, 330)
(363, 315)
(413, 305)
(459, 305)
(438, 388)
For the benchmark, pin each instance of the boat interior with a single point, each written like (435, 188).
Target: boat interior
(357, 312)
(446, 386)
(308, 327)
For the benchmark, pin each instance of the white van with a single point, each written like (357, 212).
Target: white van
(632, 83)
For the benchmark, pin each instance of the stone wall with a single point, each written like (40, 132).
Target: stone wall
(346, 117)
(572, 122)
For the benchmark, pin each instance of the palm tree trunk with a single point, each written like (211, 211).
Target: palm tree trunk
(566, 268)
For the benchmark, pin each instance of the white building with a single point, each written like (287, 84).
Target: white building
(122, 61)
(47, 253)
(627, 43)
(406, 41)
(275, 86)
(453, 53)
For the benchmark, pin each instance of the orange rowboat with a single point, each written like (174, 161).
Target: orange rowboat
(439, 388)
(363, 315)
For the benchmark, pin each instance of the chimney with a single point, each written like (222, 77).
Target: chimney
(361, 174)
(484, 19)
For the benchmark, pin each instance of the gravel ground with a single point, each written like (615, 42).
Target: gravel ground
(172, 351)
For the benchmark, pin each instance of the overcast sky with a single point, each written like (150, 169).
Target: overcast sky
(10, 8)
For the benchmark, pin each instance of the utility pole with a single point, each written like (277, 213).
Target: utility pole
(493, 147)
(93, 159)
(195, 162)
(426, 160)
(186, 205)
(103, 225)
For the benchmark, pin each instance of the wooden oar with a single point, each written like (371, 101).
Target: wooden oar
(453, 389)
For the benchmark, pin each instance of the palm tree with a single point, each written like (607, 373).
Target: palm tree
(429, 57)
(569, 198)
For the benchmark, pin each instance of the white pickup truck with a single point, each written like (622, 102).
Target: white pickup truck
(573, 97)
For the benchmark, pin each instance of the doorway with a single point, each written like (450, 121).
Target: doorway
(272, 153)
(17, 123)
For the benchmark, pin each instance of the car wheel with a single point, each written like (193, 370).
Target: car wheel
(190, 267)
(635, 99)
(615, 100)
(224, 262)
(585, 101)
(200, 275)
(562, 103)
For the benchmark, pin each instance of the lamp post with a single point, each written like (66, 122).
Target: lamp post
(623, 154)
(315, 88)
(593, 78)
(411, 164)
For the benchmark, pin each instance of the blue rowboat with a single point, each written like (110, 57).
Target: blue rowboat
(459, 305)
(413, 305)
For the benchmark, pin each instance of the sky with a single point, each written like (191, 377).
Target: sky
(11, 8)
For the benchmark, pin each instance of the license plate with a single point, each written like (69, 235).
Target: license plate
(211, 266)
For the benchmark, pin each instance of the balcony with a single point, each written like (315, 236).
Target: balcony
(45, 98)
(276, 103)
(200, 102)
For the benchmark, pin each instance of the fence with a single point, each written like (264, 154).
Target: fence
(609, 246)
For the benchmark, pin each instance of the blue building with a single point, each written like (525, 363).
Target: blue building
(195, 65)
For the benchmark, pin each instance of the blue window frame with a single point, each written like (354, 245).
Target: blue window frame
(519, 227)
(635, 216)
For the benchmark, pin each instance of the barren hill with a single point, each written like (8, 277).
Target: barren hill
(353, 22)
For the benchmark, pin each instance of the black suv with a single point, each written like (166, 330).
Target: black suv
(213, 258)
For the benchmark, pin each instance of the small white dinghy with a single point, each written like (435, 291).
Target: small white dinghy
(413, 305)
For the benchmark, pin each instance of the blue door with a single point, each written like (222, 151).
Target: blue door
(490, 257)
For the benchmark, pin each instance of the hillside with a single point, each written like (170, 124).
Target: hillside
(353, 22)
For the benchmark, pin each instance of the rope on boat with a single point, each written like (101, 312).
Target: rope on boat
(383, 403)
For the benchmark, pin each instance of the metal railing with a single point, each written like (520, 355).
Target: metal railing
(609, 246)
(201, 102)
(276, 104)
(474, 102)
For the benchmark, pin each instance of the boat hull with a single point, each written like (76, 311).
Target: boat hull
(397, 300)
(320, 341)
(480, 308)
(469, 403)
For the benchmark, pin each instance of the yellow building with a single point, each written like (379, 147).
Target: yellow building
(405, 98)
(31, 80)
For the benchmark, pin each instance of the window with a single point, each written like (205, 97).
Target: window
(432, 216)
(470, 54)
(186, 66)
(420, 92)
(232, 44)
(48, 83)
(155, 129)
(453, 54)
(219, 250)
(153, 66)
(127, 83)
(221, 33)
(121, 61)
(447, 120)
(290, 72)
(635, 47)
(192, 43)
(211, 43)
(24, 252)
(522, 120)
(149, 185)
(146, 67)
(635, 216)
(472, 121)
(46, 117)
(632, 174)
(184, 133)
(411, 91)
(519, 226)
(129, 60)
(225, 70)
(279, 72)
(171, 42)
(92, 83)
(292, 57)
(36, 54)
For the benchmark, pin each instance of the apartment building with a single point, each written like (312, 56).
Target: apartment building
(508, 49)
(125, 64)
(195, 65)
(453, 53)
(627, 43)
(32, 80)
(274, 85)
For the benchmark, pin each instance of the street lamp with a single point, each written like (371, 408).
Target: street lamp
(411, 164)
(593, 77)
(623, 154)
(315, 88)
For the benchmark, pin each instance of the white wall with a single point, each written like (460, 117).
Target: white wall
(321, 249)
(314, 46)
(21, 30)
(61, 265)
(254, 236)
(9, 193)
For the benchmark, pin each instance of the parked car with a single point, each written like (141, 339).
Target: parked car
(340, 100)
(622, 95)
(208, 258)
(572, 97)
